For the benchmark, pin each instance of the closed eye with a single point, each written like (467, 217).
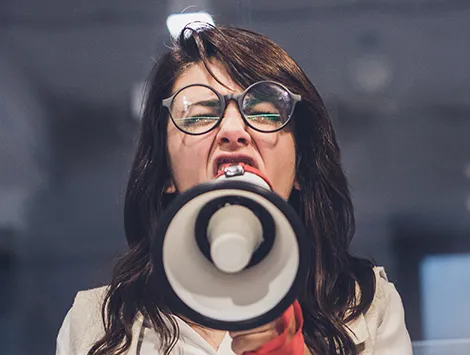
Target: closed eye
(264, 117)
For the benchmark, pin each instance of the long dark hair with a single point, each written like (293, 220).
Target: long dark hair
(329, 298)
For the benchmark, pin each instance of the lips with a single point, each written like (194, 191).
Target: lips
(222, 162)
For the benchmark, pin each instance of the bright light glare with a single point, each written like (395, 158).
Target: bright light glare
(176, 22)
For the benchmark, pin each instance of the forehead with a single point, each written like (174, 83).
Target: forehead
(197, 74)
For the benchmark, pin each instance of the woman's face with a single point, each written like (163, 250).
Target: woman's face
(196, 159)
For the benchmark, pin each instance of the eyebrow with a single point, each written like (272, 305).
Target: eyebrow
(210, 103)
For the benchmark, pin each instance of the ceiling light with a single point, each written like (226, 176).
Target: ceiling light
(176, 22)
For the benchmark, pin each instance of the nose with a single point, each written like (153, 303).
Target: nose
(232, 129)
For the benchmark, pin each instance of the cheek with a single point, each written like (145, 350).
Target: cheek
(188, 158)
(284, 175)
(279, 159)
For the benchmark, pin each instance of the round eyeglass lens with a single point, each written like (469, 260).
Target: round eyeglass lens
(267, 106)
(196, 109)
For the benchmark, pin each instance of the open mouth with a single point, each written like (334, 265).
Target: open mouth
(222, 163)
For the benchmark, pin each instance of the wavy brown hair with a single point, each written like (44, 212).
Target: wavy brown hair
(329, 297)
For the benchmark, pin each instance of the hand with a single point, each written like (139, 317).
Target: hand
(253, 339)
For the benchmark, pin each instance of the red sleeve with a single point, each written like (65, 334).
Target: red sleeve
(281, 345)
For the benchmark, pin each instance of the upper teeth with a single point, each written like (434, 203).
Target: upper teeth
(223, 165)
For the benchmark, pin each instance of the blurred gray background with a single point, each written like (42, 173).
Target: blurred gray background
(396, 79)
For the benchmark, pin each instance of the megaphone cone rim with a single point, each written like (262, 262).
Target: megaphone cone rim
(177, 306)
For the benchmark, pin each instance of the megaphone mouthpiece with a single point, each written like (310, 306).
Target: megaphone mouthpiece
(234, 233)
(245, 172)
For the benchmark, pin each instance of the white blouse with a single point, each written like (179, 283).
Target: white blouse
(381, 330)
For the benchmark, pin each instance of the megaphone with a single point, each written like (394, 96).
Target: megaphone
(234, 254)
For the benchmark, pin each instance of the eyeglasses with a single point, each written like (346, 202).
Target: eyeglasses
(266, 106)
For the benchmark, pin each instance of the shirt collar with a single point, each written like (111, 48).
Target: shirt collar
(357, 329)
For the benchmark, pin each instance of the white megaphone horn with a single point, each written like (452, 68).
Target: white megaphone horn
(233, 252)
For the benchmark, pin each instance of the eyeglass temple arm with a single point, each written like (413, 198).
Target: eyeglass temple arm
(167, 102)
(296, 97)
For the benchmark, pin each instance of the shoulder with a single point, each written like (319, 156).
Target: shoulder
(382, 329)
(90, 298)
(86, 309)
(384, 289)
(83, 324)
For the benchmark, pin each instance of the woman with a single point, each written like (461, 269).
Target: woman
(348, 305)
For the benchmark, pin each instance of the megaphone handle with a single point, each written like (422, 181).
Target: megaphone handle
(281, 345)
